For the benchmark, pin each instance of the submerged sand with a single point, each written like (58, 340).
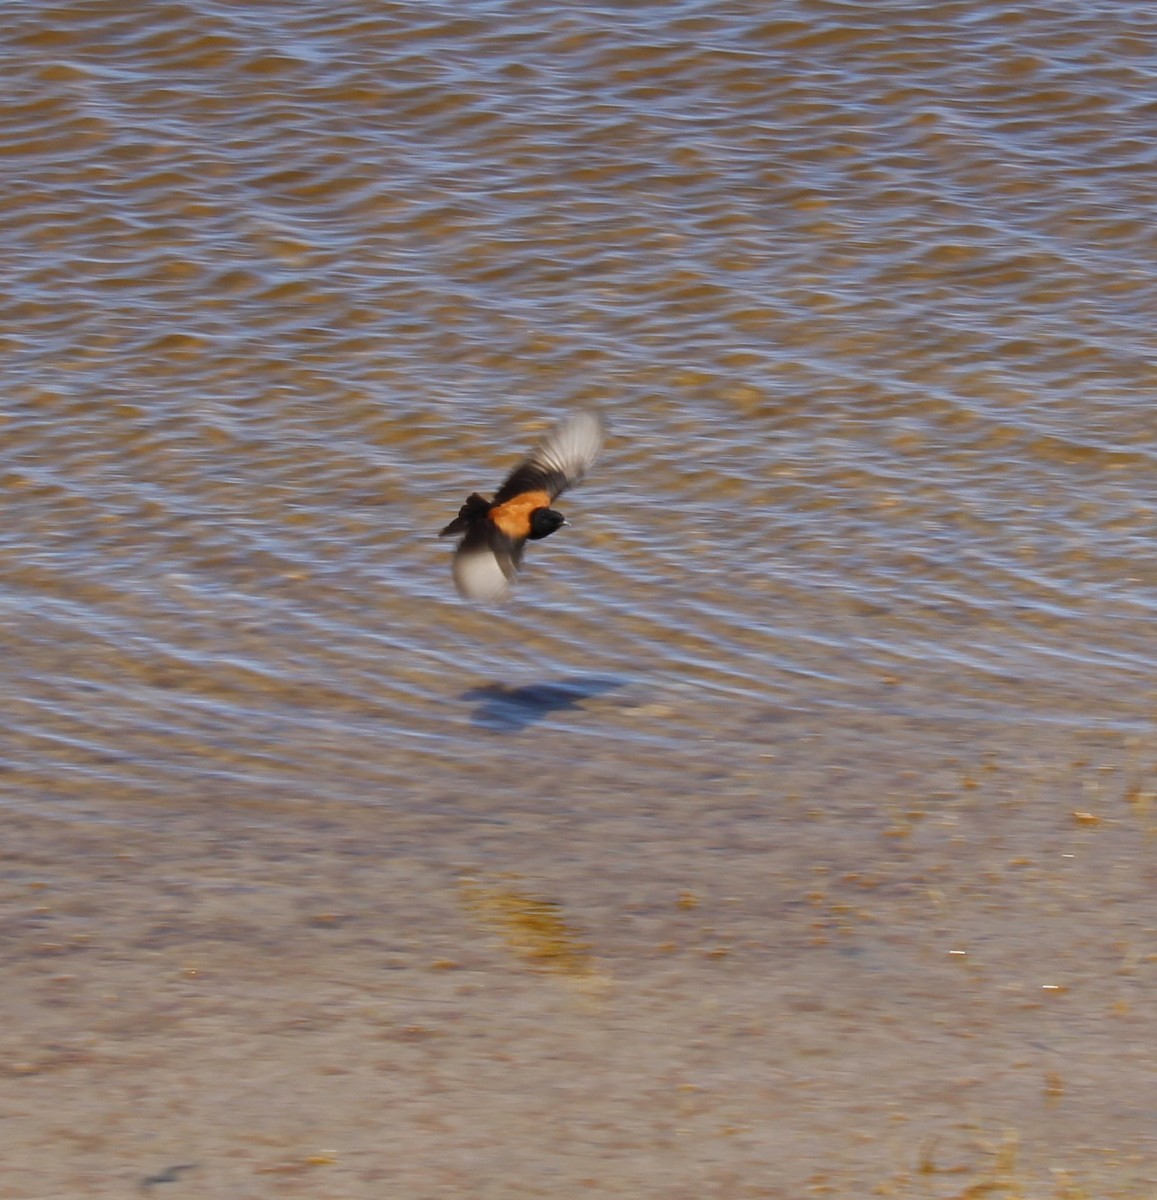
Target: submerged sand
(915, 969)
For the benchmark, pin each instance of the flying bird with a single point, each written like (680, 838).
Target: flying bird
(495, 532)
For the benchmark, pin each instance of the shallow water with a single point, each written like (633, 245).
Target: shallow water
(865, 296)
(828, 722)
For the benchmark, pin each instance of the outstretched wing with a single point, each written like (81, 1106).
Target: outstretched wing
(563, 458)
(486, 563)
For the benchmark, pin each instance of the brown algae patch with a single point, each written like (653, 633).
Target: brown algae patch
(532, 927)
(1002, 1178)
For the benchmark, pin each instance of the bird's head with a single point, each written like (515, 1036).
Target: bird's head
(544, 521)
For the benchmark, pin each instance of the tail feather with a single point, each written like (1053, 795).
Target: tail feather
(476, 506)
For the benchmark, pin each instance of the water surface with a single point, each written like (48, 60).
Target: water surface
(865, 294)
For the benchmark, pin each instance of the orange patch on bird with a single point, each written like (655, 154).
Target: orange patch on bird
(513, 517)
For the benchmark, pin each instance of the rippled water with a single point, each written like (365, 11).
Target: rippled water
(866, 296)
(790, 832)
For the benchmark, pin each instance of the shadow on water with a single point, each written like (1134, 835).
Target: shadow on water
(510, 709)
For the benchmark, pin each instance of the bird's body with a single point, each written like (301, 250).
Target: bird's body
(495, 532)
(514, 517)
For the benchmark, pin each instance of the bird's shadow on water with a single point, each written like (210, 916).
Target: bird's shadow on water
(510, 709)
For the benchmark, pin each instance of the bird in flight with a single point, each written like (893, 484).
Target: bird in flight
(495, 532)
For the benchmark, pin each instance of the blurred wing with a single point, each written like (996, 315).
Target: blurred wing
(560, 461)
(485, 564)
